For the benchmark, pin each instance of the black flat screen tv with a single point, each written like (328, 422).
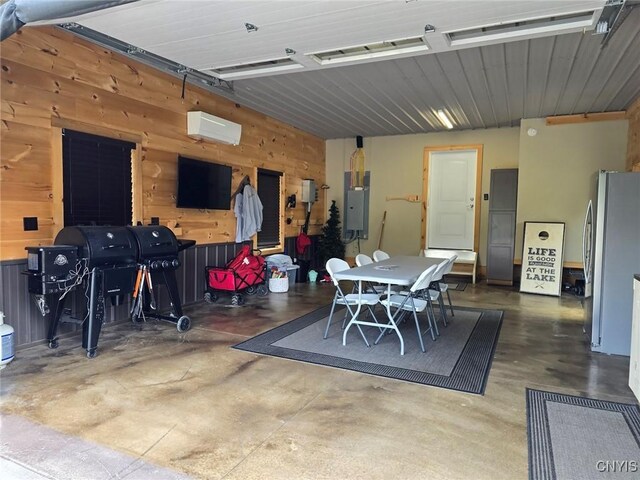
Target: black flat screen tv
(203, 185)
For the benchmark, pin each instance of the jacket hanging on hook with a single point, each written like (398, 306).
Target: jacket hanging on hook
(248, 212)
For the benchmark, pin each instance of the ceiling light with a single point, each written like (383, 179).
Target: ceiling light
(428, 28)
(247, 70)
(506, 31)
(444, 119)
(289, 51)
(384, 49)
(251, 27)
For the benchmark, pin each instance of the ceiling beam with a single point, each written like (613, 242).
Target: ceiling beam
(585, 118)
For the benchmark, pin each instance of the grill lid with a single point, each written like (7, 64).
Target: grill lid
(155, 242)
(100, 245)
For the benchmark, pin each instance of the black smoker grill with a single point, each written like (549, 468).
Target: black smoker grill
(108, 256)
(108, 260)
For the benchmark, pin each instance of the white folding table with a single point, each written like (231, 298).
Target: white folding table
(402, 270)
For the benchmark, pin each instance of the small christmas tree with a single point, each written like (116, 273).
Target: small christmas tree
(331, 245)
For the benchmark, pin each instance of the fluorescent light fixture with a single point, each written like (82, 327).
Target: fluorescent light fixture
(256, 69)
(525, 28)
(444, 119)
(385, 49)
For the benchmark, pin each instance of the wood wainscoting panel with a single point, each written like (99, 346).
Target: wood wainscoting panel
(31, 327)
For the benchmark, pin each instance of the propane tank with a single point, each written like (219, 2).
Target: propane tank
(6, 346)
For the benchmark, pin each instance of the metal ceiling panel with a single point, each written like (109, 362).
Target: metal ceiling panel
(480, 87)
(583, 62)
(207, 34)
(457, 92)
(625, 93)
(515, 75)
(494, 75)
(564, 56)
(475, 75)
(610, 71)
(540, 54)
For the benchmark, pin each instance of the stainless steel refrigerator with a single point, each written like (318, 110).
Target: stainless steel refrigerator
(611, 250)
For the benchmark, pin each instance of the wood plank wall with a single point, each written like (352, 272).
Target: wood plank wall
(633, 144)
(51, 79)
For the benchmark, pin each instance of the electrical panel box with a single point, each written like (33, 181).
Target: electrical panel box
(309, 194)
(355, 209)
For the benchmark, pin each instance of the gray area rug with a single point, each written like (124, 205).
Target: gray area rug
(459, 359)
(578, 438)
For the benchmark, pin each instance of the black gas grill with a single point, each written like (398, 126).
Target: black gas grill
(158, 250)
(111, 262)
(157, 247)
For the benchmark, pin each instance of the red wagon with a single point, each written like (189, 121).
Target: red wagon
(246, 273)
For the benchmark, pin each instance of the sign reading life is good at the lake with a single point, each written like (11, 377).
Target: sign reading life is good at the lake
(542, 258)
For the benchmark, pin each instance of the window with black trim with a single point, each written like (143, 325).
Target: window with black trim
(269, 182)
(96, 180)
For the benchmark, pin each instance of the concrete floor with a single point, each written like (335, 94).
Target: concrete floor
(190, 404)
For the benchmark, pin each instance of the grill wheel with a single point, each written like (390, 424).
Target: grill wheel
(184, 324)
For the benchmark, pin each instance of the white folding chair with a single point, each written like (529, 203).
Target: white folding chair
(362, 259)
(444, 287)
(335, 265)
(415, 302)
(434, 287)
(379, 255)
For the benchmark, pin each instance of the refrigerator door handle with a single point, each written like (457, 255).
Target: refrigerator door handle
(587, 242)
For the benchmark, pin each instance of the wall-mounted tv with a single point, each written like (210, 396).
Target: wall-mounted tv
(203, 185)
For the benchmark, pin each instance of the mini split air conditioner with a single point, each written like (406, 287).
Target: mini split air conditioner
(205, 126)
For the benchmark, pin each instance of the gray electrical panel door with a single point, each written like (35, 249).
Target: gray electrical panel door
(503, 197)
(355, 217)
(355, 210)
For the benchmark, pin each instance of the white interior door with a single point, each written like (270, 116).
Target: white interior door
(451, 202)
